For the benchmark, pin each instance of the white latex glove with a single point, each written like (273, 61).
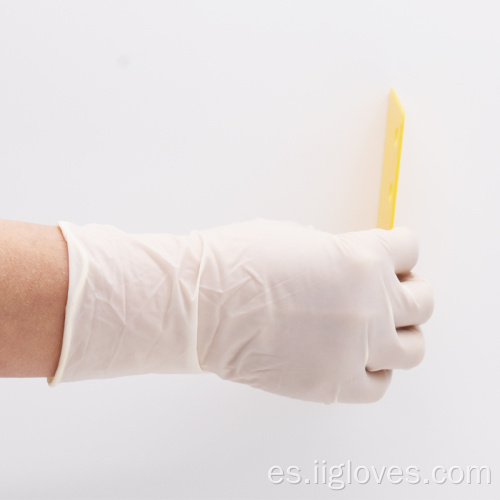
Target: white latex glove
(273, 304)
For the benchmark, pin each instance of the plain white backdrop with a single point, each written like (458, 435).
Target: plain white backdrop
(172, 116)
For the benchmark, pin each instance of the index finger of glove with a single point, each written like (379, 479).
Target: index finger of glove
(402, 246)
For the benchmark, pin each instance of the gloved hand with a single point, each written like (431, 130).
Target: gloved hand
(274, 304)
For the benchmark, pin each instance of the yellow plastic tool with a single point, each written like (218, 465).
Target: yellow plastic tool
(392, 158)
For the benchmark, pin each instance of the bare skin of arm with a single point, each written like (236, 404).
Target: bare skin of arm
(33, 294)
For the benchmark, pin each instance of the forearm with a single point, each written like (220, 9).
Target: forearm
(33, 295)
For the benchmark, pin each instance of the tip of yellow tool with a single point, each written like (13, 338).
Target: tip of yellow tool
(391, 161)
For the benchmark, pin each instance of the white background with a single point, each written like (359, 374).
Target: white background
(173, 116)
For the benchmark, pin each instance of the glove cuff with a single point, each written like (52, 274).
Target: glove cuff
(132, 303)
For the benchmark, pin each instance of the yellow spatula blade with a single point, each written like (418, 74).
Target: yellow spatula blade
(390, 167)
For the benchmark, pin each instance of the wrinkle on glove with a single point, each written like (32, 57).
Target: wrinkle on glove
(276, 305)
(132, 303)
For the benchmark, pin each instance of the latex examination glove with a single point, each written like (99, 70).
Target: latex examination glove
(276, 305)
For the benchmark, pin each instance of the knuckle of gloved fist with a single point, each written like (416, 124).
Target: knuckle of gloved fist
(426, 307)
(429, 301)
(376, 396)
(421, 293)
(420, 352)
